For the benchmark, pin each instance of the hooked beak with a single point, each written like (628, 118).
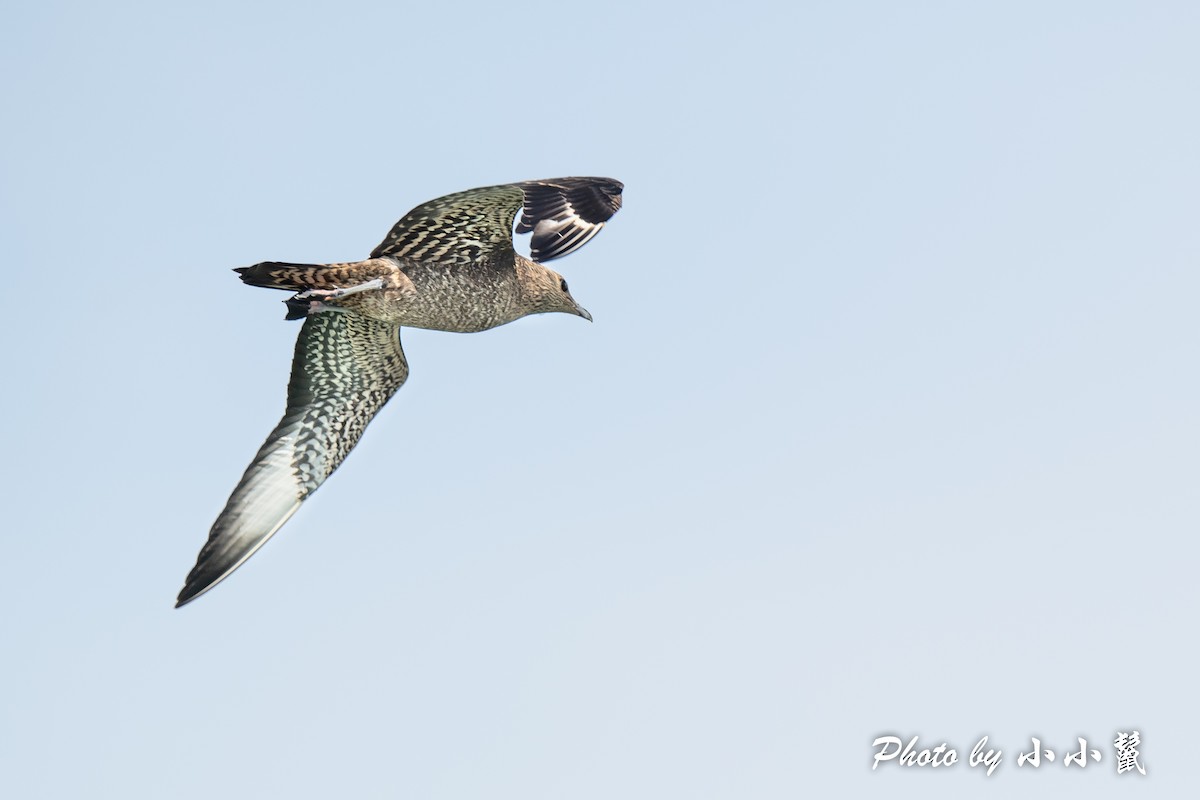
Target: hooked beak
(583, 312)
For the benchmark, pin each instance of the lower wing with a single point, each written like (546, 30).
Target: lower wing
(345, 368)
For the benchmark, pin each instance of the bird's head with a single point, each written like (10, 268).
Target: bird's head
(553, 295)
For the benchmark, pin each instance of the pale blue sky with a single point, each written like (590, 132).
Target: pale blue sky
(887, 422)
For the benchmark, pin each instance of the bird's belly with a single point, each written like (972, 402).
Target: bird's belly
(458, 309)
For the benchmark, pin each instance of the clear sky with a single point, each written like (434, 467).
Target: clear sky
(887, 422)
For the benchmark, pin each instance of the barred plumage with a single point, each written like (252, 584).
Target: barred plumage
(449, 264)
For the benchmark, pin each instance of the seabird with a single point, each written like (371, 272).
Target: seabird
(448, 265)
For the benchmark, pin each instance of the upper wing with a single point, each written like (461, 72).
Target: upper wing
(345, 368)
(562, 213)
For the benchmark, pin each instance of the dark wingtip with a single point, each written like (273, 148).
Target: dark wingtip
(186, 595)
(199, 580)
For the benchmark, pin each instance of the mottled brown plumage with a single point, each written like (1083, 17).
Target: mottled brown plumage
(448, 265)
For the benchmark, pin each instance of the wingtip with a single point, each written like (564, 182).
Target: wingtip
(190, 592)
(218, 560)
(615, 184)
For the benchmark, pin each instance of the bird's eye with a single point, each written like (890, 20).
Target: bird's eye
(563, 283)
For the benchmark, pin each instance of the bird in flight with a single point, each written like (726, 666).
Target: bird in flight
(448, 265)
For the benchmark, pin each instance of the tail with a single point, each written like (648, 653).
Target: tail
(281, 275)
(293, 277)
(319, 279)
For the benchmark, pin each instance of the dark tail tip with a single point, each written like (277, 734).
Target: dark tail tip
(276, 275)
